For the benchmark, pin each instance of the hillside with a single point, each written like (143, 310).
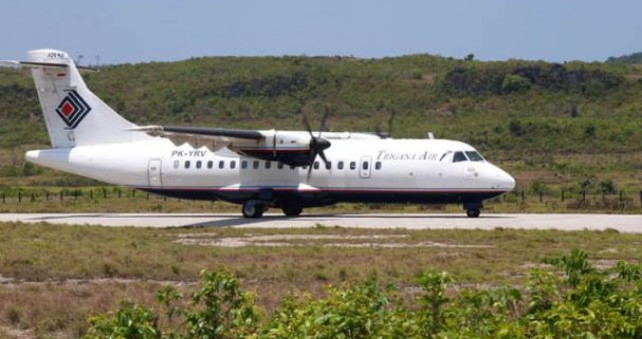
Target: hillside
(635, 58)
(557, 123)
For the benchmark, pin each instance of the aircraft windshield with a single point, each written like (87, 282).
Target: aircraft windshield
(459, 156)
(474, 156)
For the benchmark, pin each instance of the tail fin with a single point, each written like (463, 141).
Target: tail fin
(74, 115)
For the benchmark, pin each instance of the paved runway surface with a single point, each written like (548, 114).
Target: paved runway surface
(622, 223)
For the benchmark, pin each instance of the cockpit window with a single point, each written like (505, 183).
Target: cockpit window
(474, 156)
(444, 155)
(459, 156)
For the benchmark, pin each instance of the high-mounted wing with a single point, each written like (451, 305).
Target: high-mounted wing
(296, 148)
(212, 138)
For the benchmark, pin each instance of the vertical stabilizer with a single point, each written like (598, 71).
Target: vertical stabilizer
(74, 115)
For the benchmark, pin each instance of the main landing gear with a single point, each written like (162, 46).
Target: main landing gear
(292, 210)
(253, 209)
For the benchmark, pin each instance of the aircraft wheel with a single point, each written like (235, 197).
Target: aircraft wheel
(292, 210)
(251, 209)
(472, 212)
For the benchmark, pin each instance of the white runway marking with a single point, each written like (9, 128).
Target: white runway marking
(569, 222)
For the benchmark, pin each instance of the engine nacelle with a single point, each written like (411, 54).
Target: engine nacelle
(291, 148)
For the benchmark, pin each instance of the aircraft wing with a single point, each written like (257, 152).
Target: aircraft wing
(212, 138)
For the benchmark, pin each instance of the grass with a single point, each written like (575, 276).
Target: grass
(59, 275)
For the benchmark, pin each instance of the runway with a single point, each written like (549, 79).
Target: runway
(568, 222)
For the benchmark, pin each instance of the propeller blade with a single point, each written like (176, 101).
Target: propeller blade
(313, 156)
(323, 119)
(392, 118)
(325, 161)
(307, 125)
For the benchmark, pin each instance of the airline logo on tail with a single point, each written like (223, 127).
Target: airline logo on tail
(72, 109)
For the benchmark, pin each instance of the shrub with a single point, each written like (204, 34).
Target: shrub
(585, 302)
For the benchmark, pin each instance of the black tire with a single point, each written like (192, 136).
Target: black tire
(473, 212)
(292, 210)
(252, 210)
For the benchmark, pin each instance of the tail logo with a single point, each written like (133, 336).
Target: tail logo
(72, 109)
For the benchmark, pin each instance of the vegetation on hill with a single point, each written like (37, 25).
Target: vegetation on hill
(635, 58)
(533, 112)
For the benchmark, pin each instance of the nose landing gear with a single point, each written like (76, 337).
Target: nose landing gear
(472, 212)
(472, 209)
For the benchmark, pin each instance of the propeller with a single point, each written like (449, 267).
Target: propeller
(317, 144)
(384, 135)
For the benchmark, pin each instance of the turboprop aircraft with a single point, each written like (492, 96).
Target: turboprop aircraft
(258, 169)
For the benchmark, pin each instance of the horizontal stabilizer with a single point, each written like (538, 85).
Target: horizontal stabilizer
(30, 64)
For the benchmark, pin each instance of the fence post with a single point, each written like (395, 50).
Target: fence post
(75, 194)
(621, 196)
(33, 197)
(104, 193)
(640, 198)
(19, 196)
(61, 195)
(523, 196)
(4, 198)
(584, 196)
(47, 195)
(119, 193)
(91, 194)
(133, 193)
(541, 197)
(562, 195)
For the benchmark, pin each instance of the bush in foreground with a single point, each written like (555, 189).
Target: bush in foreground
(583, 302)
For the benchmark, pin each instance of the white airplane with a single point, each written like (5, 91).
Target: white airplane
(255, 168)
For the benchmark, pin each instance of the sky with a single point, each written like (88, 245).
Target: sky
(132, 31)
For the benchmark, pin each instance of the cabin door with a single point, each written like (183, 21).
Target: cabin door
(154, 173)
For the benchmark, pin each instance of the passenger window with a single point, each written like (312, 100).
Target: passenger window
(244, 164)
(353, 165)
(328, 165)
(340, 165)
(210, 164)
(268, 164)
(177, 163)
(280, 164)
(292, 167)
(459, 156)
(187, 164)
(233, 164)
(221, 164)
(255, 164)
(364, 165)
(316, 165)
(378, 165)
(199, 164)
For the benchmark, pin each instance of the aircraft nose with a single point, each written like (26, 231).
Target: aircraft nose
(509, 181)
(506, 181)
(502, 180)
